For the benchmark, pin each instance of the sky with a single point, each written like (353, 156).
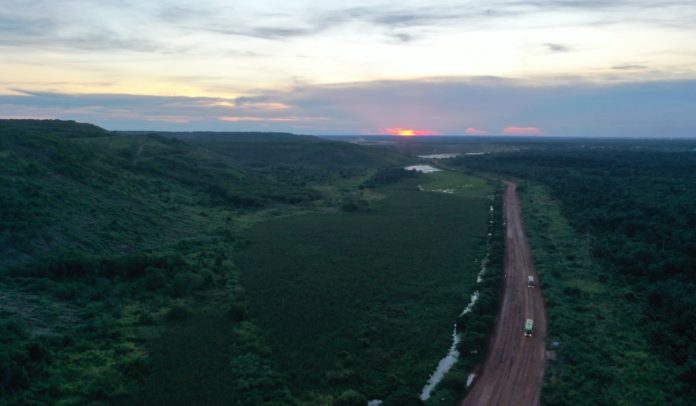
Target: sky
(540, 67)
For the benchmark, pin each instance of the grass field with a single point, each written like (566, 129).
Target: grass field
(365, 300)
(456, 183)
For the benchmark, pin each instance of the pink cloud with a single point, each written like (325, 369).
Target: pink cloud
(475, 131)
(522, 131)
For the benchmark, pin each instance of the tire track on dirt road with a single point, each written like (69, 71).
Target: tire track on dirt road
(513, 371)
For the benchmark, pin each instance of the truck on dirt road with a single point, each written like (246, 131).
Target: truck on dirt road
(528, 327)
(530, 281)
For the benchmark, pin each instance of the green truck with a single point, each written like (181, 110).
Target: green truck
(528, 326)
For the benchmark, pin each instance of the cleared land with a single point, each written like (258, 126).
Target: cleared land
(514, 369)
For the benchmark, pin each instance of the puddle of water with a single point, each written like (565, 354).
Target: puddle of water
(472, 302)
(452, 356)
(470, 379)
(484, 263)
(438, 156)
(422, 168)
(443, 366)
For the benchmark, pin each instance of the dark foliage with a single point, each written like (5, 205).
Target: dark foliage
(639, 205)
(80, 265)
(389, 175)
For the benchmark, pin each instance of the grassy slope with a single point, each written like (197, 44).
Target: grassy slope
(117, 205)
(265, 149)
(111, 194)
(377, 291)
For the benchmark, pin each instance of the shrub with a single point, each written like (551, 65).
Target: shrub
(353, 204)
(186, 282)
(178, 311)
(237, 311)
(154, 278)
(350, 397)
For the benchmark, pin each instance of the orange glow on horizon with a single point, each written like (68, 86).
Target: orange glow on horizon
(408, 132)
(522, 131)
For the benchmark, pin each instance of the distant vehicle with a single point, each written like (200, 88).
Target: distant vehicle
(530, 281)
(528, 326)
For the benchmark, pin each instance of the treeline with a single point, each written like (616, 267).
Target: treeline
(387, 176)
(61, 128)
(640, 209)
(81, 265)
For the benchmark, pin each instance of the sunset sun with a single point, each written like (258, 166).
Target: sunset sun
(408, 132)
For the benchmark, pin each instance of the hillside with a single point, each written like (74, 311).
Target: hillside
(114, 194)
(69, 186)
(283, 151)
(117, 251)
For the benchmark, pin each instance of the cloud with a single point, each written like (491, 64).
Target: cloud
(522, 131)
(475, 131)
(268, 33)
(24, 26)
(257, 103)
(629, 67)
(441, 105)
(557, 48)
(68, 28)
(402, 36)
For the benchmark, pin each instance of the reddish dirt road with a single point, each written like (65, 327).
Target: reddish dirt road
(514, 368)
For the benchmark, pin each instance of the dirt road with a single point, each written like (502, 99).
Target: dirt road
(514, 368)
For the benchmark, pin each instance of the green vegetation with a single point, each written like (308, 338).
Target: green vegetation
(296, 160)
(276, 149)
(618, 275)
(595, 329)
(362, 302)
(118, 281)
(387, 176)
(475, 327)
(119, 195)
(268, 269)
(455, 183)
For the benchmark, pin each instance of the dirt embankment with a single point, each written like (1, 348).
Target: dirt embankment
(513, 371)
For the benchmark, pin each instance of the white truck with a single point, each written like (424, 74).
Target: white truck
(528, 327)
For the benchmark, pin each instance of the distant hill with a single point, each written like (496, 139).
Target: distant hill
(61, 128)
(253, 136)
(72, 186)
(268, 149)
